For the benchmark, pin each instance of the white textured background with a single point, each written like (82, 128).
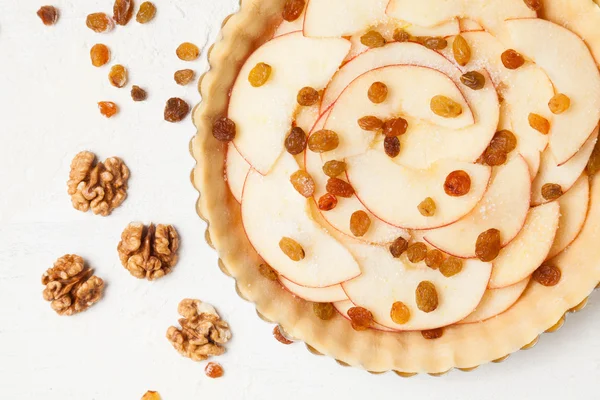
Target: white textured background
(117, 350)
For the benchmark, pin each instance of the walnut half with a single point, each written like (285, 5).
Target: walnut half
(202, 334)
(71, 287)
(148, 252)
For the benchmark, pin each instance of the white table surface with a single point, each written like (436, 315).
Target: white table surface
(117, 350)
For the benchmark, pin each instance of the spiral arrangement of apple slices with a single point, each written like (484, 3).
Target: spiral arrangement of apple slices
(498, 67)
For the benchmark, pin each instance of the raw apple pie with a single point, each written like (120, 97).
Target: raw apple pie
(426, 168)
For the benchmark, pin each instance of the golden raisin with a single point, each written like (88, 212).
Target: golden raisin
(488, 245)
(324, 311)
(551, 191)
(146, 12)
(511, 59)
(327, 202)
(268, 272)
(445, 107)
(372, 39)
(176, 110)
(188, 51)
(295, 143)
(151, 395)
(451, 266)
(473, 80)
(378, 92)
(118, 76)
(559, 103)
(416, 252)
(431, 334)
(427, 207)
(391, 145)
(547, 275)
(100, 55)
(279, 336)
(339, 188)
(259, 75)
(214, 370)
(359, 223)
(435, 43)
(426, 297)
(593, 165)
(291, 248)
(323, 140)
(122, 11)
(99, 22)
(307, 96)
(370, 123)
(535, 5)
(434, 258)
(395, 127)
(224, 129)
(184, 76)
(360, 318)
(398, 247)
(494, 157)
(303, 183)
(400, 35)
(138, 94)
(293, 9)
(539, 123)
(334, 168)
(108, 108)
(504, 140)
(48, 15)
(461, 51)
(458, 183)
(400, 313)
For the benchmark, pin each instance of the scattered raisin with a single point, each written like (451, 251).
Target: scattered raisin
(334, 168)
(395, 127)
(214, 370)
(123, 11)
(435, 43)
(307, 96)
(293, 9)
(327, 202)
(378, 92)
(547, 275)
(188, 51)
(184, 76)
(146, 12)
(458, 183)
(451, 266)
(324, 311)
(176, 110)
(391, 145)
(511, 59)
(494, 157)
(279, 336)
(303, 183)
(118, 76)
(323, 140)
(295, 142)
(224, 129)
(539, 123)
(551, 191)
(99, 22)
(372, 39)
(431, 334)
(488, 245)
(559, 103)
(445, 107)
(360, 318)
(400, 35)
(268, 272)
(416, 252)
(108, 108)
(426, 297)
(461, 51)
(473, 80)
(100, 55)
(504, 140)
(535, 5)
(339, 188)
(138, 94)
(48, 15)
(370, 123)
(400, 313)
(427, 207)
(593, 165)
(259, 75)
(291, 248)
(434, 258)
(398, 247)
(359, 223)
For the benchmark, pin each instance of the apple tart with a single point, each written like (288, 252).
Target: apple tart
(427, 168)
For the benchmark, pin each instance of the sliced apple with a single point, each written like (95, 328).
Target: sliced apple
(529, 248)
(236, 170)
(573, 212)
(273, 209)
(496, 301)
(564, 175)
(468, 25)
(572, 70)
(337, 18)
(342, 307)
(444, 29)
(296, 62)
(328, 294)
(286, 27)
(504, 207)
(386, 280)
(393, 192)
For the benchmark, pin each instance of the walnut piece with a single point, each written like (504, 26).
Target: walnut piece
(148, 252)
(71, 287)
(100, 186)
(202, 333)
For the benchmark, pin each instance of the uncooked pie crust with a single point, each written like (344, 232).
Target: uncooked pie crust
(462, 346)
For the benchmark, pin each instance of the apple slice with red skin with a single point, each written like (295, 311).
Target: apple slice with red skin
(496, 301)
(327, 294)
(529, 248)
(468, 25)
(236, 170)
(337, 18)
(342, 308)
(504, 207)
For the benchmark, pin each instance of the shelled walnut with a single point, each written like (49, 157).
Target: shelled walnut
(100, 186)
(148, 252)
(202, 334)
(71, 287)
